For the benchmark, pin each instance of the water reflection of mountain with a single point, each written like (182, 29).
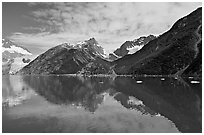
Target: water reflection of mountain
(78, 91)
(181, 104)
(14, 91)
(69, 90)
(170, 98)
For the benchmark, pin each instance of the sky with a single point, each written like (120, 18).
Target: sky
(40, 26)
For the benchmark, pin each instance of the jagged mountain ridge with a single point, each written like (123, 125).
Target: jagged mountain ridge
(176, 52)
(169, 54)
(93, 47)
(68, 59)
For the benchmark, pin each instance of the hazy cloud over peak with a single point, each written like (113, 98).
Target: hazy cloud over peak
(110, 23)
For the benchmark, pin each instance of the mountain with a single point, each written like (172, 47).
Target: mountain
(130, 47)
(11, 50)
(69, 59)
(92, 47)
(13, 56)
(176, 52)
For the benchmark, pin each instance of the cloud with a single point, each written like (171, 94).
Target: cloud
(110, 23)
(17, 33)
(35, 29)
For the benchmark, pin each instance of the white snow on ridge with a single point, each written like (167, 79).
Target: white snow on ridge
(105, 54)
(19, 64)
(14, 49)
(80, 43)
(116, 55)
(134, 49)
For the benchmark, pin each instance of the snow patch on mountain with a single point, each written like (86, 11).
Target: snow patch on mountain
(116, 55)
(19, 64)
(91, 45)
(134, 49)
(13, 57)
(16, 49)
(131, 47)
(105, 53)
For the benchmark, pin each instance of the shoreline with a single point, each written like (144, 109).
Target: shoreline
(106, 75)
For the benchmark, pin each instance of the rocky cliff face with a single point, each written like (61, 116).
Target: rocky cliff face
(176, 52)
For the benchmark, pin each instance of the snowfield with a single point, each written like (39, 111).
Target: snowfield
(14, 49)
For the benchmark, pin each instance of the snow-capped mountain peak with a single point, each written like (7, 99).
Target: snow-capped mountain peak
(14, 57)
(11, 47)
(15, 49)
(130, 47)
(138, 43)
(92, 46)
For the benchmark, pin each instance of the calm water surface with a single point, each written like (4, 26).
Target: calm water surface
(99, 104)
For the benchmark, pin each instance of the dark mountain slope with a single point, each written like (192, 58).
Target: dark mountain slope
(170, 98)
(176, 52)
(195, 68)
(98, 66)
(68, 59)
(170, 53)
(58, 60)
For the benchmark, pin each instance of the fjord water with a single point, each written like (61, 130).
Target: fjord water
(100, 104)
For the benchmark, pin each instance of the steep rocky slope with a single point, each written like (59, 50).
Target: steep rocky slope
(177, 51)
(68, 59)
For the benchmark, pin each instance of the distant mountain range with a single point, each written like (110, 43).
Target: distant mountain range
(130, 47)
(14, 57)
(11, 50)
(176, 52)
